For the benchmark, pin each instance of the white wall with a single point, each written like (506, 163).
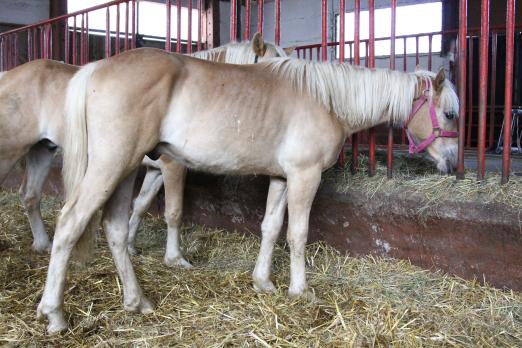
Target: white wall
(23, 11)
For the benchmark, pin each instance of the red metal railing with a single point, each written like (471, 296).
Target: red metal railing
(36, 41)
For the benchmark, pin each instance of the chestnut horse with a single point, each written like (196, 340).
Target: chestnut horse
(284, 118)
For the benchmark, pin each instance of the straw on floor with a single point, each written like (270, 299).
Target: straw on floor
(358, 301)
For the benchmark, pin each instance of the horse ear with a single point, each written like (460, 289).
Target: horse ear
(289, 50)
(258, 45)
(439, 80)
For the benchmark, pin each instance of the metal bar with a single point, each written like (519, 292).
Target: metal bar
(107, 33)
(168, 3)
(298, 53)
(200, 23)
(277, 38)
(117, 41)
(405, 61)
(233, 20)
(462, 59)
(483, 89)
(430, 51)
(324, 29)
(74, 50)
(470, 92)
(342, 18)
(417, 58)
(260, 16)
(126, 44)
(86, 42)
(357, 60)
(178, 25)
(189, 34)
(15, 50)
(494, 40)
(133, 24)
(66, 45)
(371, 64)
(82, 41)
(508, 101)
(389, 149)
(248, 14)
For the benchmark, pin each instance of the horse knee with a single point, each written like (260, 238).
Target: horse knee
(31, 202)
(173, 216)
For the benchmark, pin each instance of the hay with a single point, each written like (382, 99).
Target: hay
(415, 176)
(359, 301)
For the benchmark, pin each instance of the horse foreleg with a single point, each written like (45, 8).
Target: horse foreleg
(115, 223)
(270, 228)
(174, 181)
(302, 187)
(149, 189)
(38, 162)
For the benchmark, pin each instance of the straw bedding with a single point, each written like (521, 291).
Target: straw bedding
(358, 301)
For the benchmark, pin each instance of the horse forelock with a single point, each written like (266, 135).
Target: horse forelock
(358, 96)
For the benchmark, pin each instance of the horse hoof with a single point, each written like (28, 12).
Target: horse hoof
(264, 287)
(143, 307)
(178, 262)
(56, 320)
(41, 247)
(304, 294)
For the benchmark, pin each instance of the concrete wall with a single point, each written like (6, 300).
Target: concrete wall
(23, 11)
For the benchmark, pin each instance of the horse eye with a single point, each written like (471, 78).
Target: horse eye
(450, 115)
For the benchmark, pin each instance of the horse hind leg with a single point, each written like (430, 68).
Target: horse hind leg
(115, 222)
(38, 162)
(149, 189)
(174, 181)
(270, 228)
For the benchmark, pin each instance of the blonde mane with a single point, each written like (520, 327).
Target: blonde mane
(238, 52)
(359, 96)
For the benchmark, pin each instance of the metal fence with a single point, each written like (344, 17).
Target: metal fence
(43, 40)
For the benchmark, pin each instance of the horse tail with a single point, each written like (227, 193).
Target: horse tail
(75, 152)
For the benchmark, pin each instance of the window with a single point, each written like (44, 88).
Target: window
(151, 17)
(413, 19)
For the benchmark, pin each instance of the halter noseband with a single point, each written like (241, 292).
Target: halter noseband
(437, 132)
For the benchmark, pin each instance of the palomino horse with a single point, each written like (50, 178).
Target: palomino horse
(284, 118)
(31, 127)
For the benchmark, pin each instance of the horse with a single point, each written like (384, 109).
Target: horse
(284, 118)
(31, 128)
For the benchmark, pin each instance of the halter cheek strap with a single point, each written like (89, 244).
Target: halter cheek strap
(437, 132)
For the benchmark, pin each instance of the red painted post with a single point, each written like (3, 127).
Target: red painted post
(371, 64)
(324, 30)
(74, 49)
(430, 51)
(483, 89)
(357, 60)
(277, 38)
(233, 20)
(168, 47)
(178, 36)
(389, 150)
(342, 40)
(246, 32)
(200, 23)
(117, 40)
(462, 60)
(126, 45)
(470, 92)
(494, 39)
(508, 101)
(86, 50)
(107, 33)
(133, 25)
(66, 42)
(189, 34)
(260, 15)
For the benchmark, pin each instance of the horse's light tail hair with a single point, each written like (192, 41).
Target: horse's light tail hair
(75, 153)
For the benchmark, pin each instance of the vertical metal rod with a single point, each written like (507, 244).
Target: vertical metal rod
(246, 32)
(494, 40)
(298, 53)
(168, 48)
(324, 29)
(470, 92)
(483, 89)
(389, 149)
(462, 60)
(178, 26)
(508, 101)
(200, 23)
(82, 41)
(35, 43)
(342, 40)
(29, 47)
(350, 61)
(405, 52)
(357, 60)
(133, 24)
(430, 51)
(233, 20)
(126, 44)
(86, 50)
(66, 44)
(107, 33)
(277, 31)
(74, 50)
(260, 16)
(189, 34)
(371, 64)
(15, 50)
(417, 58)
(117, 39)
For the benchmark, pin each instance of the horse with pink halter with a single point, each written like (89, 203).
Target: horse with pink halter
(284, 118)
(31, 128)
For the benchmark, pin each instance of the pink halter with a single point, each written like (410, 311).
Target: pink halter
(436, 133)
